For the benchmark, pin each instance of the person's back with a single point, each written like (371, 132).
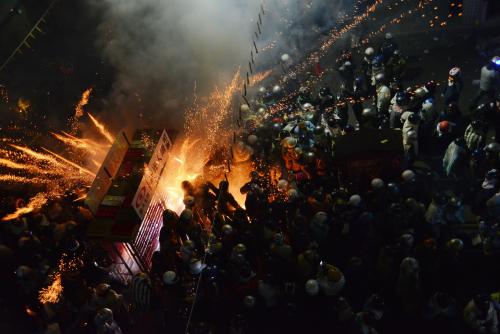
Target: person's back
(489, 78)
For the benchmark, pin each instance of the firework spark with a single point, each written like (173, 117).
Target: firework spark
(84, 100)
(52, 293)
(102, 129)
(259, 77)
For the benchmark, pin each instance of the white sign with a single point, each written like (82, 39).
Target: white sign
(151, 177)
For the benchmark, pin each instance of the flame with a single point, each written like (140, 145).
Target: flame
(102, 129)
(206, 130)
(177, 171)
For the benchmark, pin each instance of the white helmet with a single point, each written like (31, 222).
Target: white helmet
(227, 229)
(408, 175)
(380, 77)
(169, 277)
(196, 266)
(103, 317)
(409, 264)
(282, 184)
(368, 112)
(388, 35)
(262, 89)
(355, 200)
(454, 72)
(369, 51)
(249, 301)
(377, 183)
(244, 108)
(261, 110)
(252, 139)
(285, 57)
(276, 89)
(312, 287)
(307, 106)
(427, 105)
(293, 194)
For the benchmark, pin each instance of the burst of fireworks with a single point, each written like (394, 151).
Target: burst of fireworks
(102, 129)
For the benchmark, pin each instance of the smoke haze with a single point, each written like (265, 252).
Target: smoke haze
(161, 48)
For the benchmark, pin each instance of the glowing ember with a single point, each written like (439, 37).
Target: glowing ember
(102, 129)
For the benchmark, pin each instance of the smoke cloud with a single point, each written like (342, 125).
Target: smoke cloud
(161, 49)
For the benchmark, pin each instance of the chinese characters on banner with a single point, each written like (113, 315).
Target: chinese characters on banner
(151, 177)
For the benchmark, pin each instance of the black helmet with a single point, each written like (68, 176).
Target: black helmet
(325, 91)
(319, 130)
(223, 185)
(492, 147)
(414, 118)
(401, 98)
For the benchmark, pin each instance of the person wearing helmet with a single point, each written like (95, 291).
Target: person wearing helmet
(396, 65)
(105, 323)
(453, 115)
(410, 130)
(341, 110)
(304, 96)
(454, 160)
(480, 315)
(226, 204)
(399, 104)
(474, 136)
(346, 73)
(383, 95)
(388, 46)
(378, 67)
(325, 100)
(105, 297)
(453, 88)
(428, 116)
(366, 64)
(488, 82)
(408, 287)
(330, 279)
(357, 96)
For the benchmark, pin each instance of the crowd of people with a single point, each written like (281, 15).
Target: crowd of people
(308, 250)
